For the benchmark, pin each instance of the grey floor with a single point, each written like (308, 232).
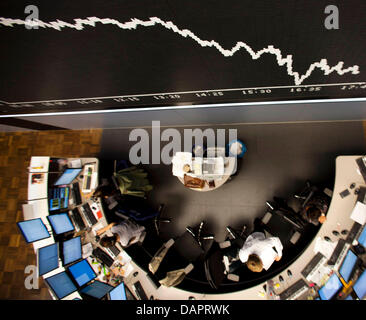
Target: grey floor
(279, 159)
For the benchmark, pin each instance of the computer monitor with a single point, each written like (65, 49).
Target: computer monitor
(67, 177)
(97, 289)
(33, 230)
(362, 238)
(118, 293)
(360, 286)
(348, 266)
(60, 223)
(61, 284)
(47, 259)
(82, 272)
(71, 250)
(332, 286)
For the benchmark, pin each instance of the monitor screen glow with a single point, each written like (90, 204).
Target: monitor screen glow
(71, 250)
(362, 238)
(97, 289)
(67, 177)
(332, 286)
(360, 286)
(118, 293)
(60, 223)
(33, 230)
(347, 266)
(61, 285)
(47, 259)
(82, 272)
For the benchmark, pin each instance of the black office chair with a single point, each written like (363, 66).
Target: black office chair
(214, 266)
(280, 224)
(198, 234)
(179, 255)
(235, 240)
(312, 196)
(141, 212)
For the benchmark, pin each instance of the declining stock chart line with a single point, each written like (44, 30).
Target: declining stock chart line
(284, 61)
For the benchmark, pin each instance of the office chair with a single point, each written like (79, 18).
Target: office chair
(176, 258)
(214, 266)
(310, 196)
(279, 224)
(305, 195)
(235, 240)
(199, 236)
(280, 206)
(141, 212)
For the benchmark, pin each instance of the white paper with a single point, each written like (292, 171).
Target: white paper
(326, 248)
(179, 160)
(75, 163)
(87, 250)
(359, 213)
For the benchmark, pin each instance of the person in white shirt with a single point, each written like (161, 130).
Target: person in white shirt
(259, 252)
(126, 232)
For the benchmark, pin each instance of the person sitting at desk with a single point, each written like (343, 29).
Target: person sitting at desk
(126, 232)
(314, 212)
(259, 252)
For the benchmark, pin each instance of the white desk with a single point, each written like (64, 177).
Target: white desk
(338, 218)
(37, 206)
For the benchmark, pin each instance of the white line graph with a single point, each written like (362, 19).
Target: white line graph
(286, 61)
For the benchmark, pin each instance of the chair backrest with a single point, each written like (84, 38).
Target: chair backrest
(214, 266)
(188, 247)
(278, 226)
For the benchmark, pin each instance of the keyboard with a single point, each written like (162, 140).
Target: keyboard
(89, 215)
(295, 291)
(339, 254)
(76, 193)
(354, 232)
(140, 291)
(87, 179)
(113, 251)
(361, 162)
(361, 197)
(313, 266)
(77, 219)
(104, 257)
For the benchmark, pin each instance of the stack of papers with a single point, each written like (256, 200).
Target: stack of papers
(359, 213)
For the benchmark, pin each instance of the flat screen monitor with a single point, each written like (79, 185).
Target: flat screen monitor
(362, 238)
(67, 177)
(360, 286)
(348, 265)
(61, 284)
(97, 289)
(33, 230)
(82, 272)
(118, 293)
(71, 250)
(60, 223)
(332, 286)
(47, 259)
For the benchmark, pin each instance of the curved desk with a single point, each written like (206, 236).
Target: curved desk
(37, 207)
(338, 218)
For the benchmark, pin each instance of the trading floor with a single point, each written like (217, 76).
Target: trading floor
(278, 161)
